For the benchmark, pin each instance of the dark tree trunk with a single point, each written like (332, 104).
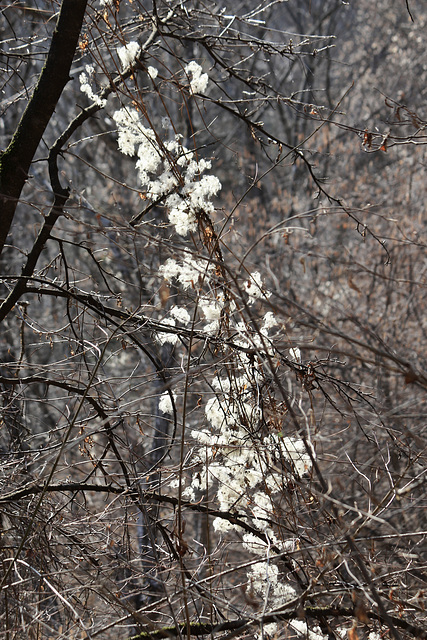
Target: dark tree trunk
(15, 162)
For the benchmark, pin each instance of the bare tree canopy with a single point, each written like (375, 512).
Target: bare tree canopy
(213, 349)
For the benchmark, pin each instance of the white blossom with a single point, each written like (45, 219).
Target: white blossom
(264, 578)
(193, 167)
(163, 337)
(254, 288)
(190, 273)
(128, 53)
(165, 403)
(165, 183)
(87, 89)
(294, 450)
(269, 321)
(187, 194)
(180, 314)
(245, 474)
(221, 525)
(183, 220)
(221, 384)
(301, 627)
(211, 328)
(254, 544)
(189, 494)
(185, 157)
(230, 489)
(211, 308)
(253, 477)
(149, 157)
(217, 413)
(134, 138)
(201, 192)
(262, 508)
(269, 630)
(187, 273)
(169, 270)
(199, 81)
(152, 72)
(202, 436)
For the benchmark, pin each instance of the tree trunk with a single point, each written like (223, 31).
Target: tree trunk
(16, 160)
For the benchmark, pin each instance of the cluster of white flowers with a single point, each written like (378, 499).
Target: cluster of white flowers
(187, 272)
(192, 274)
(212, 309)
(128, 54)
(293, 450)
(199, 80)
(164, 337)
(165, 403)
(245, 468)
(268, 631)
(152, 72)
(269, 322)
(264, 579)
(254, 288)
(239, 466)
(301, 627)
(85, 87)
(168, 169)
(180, 314)
(246, 473)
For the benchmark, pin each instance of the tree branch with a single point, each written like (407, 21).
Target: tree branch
(315, 613)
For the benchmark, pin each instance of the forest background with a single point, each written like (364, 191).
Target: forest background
(213, 319)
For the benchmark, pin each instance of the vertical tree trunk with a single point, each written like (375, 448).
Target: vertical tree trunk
(16, 160)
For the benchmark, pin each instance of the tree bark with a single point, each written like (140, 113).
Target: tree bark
(16, 160)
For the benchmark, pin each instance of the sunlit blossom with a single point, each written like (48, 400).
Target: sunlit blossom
(128, 54)
(165, 403)
(199, 80)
